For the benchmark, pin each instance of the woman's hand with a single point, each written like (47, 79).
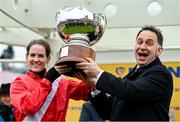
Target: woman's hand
(61, 69)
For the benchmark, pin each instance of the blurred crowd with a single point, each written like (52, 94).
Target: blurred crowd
(6, 110)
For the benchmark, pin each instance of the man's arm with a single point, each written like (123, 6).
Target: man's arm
(153, 85)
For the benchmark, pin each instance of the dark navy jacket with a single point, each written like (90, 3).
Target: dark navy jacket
(144, 94)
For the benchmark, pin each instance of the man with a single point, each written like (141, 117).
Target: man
(88, 113)
(144, 93)
(6, 111)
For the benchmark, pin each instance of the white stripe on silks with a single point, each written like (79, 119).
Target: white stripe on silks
(39, 114)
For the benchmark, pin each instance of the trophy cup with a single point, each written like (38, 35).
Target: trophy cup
(80, 29)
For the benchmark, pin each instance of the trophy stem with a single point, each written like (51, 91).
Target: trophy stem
(79, 39)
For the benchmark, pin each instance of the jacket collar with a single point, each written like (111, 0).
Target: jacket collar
(36, 75)
(135, 72)
(153, 63)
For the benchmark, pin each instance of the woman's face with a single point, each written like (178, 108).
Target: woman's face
(37, 59)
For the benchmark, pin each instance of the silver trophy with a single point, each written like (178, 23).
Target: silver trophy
(80, 29)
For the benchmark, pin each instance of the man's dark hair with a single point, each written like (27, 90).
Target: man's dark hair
(155, 30)
(4, 90)
(42, 43)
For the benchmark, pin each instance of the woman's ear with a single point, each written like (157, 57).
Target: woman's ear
(26, 56)
(48, 59)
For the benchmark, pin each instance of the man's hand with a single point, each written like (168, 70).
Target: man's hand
(91, 69)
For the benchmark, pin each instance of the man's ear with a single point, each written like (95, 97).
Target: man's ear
(159, 52)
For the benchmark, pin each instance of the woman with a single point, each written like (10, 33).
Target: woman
(41, 96)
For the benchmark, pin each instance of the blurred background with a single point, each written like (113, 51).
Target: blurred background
(24, 20)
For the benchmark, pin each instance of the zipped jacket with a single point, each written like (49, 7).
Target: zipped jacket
(144, 94)
(28, 93)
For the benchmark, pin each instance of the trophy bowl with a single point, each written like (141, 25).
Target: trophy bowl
(79, 28)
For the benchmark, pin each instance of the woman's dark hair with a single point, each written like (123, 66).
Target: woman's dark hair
(39, 42)
(155, 30)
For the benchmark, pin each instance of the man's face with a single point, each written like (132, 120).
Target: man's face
(5, 99)
(146, 48)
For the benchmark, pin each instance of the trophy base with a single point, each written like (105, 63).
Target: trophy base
(71, 54)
